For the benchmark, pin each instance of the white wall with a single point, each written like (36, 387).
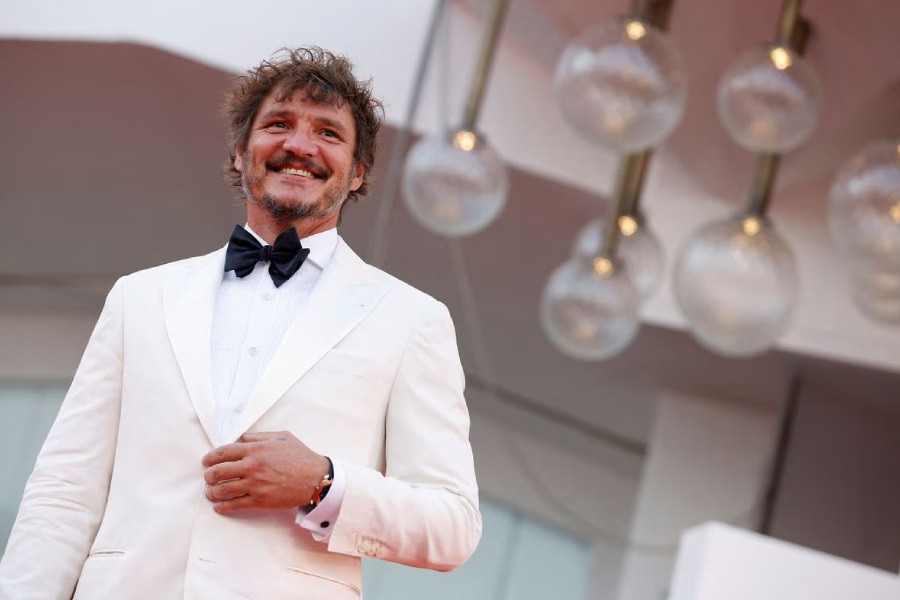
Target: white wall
(709, 459)
(717, 562)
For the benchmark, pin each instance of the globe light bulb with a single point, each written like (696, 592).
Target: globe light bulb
(864, 217)
(638, 249)
(864, 207)
(736, 283)
(768, 100)
(877, 294)
(589, 309)
(454, 185)
(622, 85)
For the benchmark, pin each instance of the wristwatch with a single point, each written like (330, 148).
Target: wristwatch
(321, 489)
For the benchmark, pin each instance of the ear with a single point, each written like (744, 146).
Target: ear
(358, 176)
(239, 159)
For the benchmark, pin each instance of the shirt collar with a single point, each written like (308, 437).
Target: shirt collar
(321, 245)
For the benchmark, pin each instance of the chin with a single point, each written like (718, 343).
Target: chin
(280, 208)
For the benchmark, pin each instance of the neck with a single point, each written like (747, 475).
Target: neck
(269, 228)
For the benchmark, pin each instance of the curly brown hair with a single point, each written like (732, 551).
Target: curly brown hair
(324, 78)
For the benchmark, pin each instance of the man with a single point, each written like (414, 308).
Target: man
(248, 423)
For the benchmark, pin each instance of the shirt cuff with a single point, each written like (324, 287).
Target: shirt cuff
(320, 520)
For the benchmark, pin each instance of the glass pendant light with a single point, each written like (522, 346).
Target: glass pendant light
(769, 99)
(736, 280)
(622, 84)
(736, 283)
(454, 184)
(639, 250)
(589, 309)
(864, 217)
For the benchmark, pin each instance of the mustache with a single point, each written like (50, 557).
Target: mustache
(289, 160)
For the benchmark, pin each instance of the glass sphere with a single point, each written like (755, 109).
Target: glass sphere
(864, 208)
(877, 294)
(622, 85)
(454, 185)
(589, 311)
(736, 283)
(638, 249)
(864, 217)
(768, 100)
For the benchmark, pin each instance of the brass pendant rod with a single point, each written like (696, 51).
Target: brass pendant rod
(655, 12)
(763, 182)
(790, 14)
(793, 33)
(624, 182)
(483, 67)
(636, 185)
(633, 170)
(641, 8)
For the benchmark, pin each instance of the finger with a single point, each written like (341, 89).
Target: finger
(225, 471)
(229, 506)
(227, 453)
(227, 490)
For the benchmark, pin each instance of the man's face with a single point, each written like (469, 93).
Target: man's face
(298, 163)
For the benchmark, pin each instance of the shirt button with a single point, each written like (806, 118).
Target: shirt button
(253, 351)
(238, 408)
(324, 524)
(267, 296)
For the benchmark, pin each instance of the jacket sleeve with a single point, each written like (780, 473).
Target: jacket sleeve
(423, 511)
(66, 494)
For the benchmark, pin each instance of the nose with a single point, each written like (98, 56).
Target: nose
(301, 141)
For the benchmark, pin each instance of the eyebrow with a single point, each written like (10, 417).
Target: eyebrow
(274, 114)
(281, 113)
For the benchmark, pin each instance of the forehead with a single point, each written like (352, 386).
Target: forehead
(299, 104)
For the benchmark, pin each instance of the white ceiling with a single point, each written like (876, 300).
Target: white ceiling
(854, 48)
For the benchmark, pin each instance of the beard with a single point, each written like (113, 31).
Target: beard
(329, 201)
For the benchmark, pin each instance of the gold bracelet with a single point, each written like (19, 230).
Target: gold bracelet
(317, 493)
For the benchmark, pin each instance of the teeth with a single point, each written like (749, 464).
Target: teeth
(300, 172)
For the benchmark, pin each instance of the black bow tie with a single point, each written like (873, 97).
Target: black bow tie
(284, 257)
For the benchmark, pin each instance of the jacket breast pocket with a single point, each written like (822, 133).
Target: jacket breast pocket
(354, 364)
(346, 382)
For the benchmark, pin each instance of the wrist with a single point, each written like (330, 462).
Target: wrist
(322, 487)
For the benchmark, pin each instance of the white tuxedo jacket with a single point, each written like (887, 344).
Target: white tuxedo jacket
(368, 373)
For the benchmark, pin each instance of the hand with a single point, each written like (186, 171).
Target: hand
(262, 470)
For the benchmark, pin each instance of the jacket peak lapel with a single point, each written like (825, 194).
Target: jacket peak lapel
(188, 303)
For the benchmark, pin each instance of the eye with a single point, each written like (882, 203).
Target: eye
(277, 125)
(330, 133)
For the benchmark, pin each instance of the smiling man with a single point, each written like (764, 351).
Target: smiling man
(249, 423)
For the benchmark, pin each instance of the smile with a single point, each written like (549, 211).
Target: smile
(298, 172)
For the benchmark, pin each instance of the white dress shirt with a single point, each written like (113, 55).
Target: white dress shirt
(249, 322)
